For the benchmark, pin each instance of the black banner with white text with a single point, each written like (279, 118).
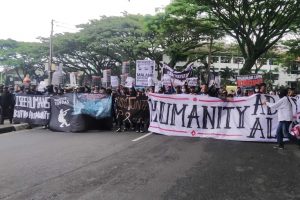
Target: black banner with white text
(32, 109)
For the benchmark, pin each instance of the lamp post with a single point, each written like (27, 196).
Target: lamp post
(50, 53)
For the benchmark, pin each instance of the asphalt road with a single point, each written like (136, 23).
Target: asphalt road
(45, 165)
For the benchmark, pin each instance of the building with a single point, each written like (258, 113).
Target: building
(281, 75)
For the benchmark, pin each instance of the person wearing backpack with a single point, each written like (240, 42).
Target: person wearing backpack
(285, 116)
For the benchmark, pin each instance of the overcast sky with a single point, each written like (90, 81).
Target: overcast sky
(25, 20)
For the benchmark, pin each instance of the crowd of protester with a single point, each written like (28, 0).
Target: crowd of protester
(140, 125)
(222, 92)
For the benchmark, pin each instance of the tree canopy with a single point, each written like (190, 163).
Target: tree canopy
(23, 57)
(256, 25)
(187, 30)
(182, 33)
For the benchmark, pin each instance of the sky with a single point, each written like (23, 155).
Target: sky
(26, 20)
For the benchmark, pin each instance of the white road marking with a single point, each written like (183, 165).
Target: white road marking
(139, 138)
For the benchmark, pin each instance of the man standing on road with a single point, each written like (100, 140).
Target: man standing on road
(285, 116)
(7, 104)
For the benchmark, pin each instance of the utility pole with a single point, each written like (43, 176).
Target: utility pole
(50, 54)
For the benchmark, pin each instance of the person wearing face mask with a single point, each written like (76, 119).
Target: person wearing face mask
(256, 89)
(285, 116)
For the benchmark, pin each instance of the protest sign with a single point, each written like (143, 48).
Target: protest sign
(58, 76)
(107, 77)
(129, 82)
(72, 79)
(214, 79)
(243, 119)
(150, 82)
(192, 81)
(32, 109)
(114, 81)
(144, 70)
(157, 86)
(166, 80)
(249, 80)
(125, 67)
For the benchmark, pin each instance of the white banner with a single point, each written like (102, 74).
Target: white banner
(144, 69)
(243, 118)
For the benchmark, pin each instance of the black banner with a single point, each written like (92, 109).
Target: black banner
(32, 109)
(132, 109)
(61, 113)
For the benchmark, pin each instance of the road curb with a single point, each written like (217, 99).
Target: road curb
(13, 127)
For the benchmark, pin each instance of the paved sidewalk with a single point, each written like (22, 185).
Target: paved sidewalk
(7, 127)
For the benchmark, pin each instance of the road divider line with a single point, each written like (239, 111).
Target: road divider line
(139, 138)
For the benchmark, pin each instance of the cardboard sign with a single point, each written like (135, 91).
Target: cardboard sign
(129, 82)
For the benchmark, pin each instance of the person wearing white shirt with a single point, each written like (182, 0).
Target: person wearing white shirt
(285, 116)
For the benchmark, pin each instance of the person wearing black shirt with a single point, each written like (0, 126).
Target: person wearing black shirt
(7, 103)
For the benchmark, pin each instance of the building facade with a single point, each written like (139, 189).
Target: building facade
(286, 76)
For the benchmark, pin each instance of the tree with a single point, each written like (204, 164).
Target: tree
(23, 57)
(104, 43)
(291, 58)
(269, 79)
(226, 75)
(182, 33)
(255, 24)
(75, 52)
